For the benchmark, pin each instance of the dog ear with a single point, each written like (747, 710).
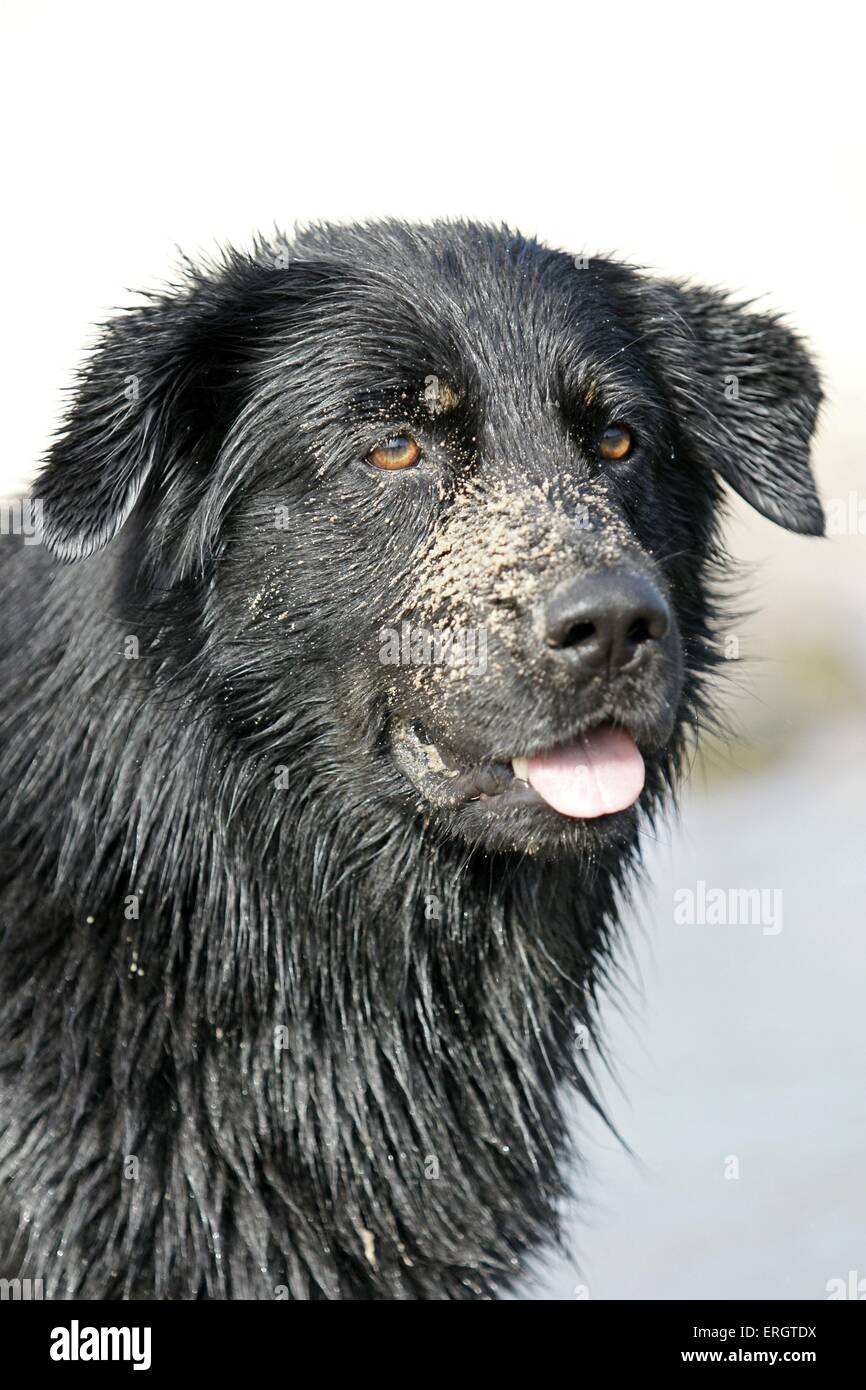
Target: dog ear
(747, 395)
(156, 397)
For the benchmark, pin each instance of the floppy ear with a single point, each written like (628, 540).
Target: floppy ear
(746, 395)
(155, 399)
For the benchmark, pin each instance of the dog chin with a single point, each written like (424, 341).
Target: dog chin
(538, 832)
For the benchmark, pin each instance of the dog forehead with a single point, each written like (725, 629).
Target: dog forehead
(498, 301)
(507, 313)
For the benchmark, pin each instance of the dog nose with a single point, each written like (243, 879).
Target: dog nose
(608, 619)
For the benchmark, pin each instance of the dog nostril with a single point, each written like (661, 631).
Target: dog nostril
(657, 621)
(638, 632)
(573, 636)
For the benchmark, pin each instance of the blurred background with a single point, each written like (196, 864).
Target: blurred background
(721, 144)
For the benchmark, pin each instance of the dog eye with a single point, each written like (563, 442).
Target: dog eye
(400, 452)
(615, 442)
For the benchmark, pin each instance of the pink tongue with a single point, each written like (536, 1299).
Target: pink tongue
(603, 772)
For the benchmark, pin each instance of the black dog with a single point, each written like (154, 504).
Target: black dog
(324, 763)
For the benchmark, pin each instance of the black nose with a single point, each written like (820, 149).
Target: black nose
(607, 619)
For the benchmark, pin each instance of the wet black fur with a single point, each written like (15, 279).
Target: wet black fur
(286, 1040)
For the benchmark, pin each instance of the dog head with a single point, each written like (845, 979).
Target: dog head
(447, 503)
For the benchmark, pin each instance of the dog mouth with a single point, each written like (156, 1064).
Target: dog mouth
(599, 773)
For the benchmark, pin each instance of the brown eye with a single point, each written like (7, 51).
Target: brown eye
(400, 452)
(615, 442)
